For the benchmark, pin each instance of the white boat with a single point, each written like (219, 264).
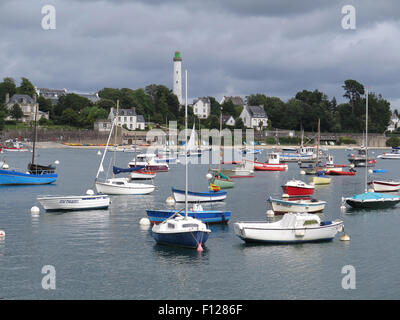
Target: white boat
(90, 201)
(143, 175)
(207, 196)
(148, 161)
(14, 146)
(292, 228)
(384, 185)
(117, 186)
(395, 154)
(300, 206)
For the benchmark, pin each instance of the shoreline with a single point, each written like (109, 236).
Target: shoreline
(56, 145)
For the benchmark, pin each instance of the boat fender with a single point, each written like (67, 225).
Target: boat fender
(35, 210)
(2, 234)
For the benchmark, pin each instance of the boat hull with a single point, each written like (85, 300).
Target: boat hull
(155, 167)
(208, 216)
(281, 206)
(135, 189)
(297, 191)
(182, 239)
(9, 177)
(210, 196)
(258, 232)
(384, 204)
(87, 202)
(384, 186)
(320, 180)
(222, 183)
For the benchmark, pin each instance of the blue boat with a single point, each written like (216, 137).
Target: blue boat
(206, 216)
(11, 177)
(379, 170)
(207, 196)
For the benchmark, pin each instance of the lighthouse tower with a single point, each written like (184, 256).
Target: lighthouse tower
(178, 76)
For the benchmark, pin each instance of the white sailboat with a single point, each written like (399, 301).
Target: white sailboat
(192, 150)
(118, 186)
(178, 230)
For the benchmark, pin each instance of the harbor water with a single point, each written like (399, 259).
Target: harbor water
(106, 254)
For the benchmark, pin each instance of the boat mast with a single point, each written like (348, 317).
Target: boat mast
(186, 149)
(316, 164)
(220, 141)
(115, 139)
(366, 140)
(34, 136)
(105, 150)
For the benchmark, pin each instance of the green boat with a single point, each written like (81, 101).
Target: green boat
(222, 181)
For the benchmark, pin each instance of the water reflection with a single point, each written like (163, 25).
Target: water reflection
(180, 256)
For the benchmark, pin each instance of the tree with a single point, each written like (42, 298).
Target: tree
(16, 112)
(354, 90)
(7, 86)
(3, 115)
(70, 117)
(45, 105)
(239, 124)
(26, 87)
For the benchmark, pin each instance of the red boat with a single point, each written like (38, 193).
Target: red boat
(272, 164)
(295, 188)
(340, 173)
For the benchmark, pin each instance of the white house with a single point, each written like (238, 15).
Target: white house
(228, 120)
(254, 117)
(102, 125)
(28, 106)
(128, 117)
(202, 107)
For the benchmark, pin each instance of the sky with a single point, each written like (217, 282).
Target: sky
(229, 47)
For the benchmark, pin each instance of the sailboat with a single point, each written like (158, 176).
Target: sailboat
(220, 179)
(192, 150)
(119, 185)
(318, 179)
(142, 173)
(370, 200)
(36, 174)
(178, 230)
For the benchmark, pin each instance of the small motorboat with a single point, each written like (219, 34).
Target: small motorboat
(372, 200)
(90, 201)
(394, 155)
(384, 185)
(302, 205)
(297, 188)
(14, 145)
(208, 196)
(273, 163)
(143, 175)
(292, 228)
(222, 181)
(148, 161)
(119, 186)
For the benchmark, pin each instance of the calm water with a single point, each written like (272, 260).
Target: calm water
(105, 254)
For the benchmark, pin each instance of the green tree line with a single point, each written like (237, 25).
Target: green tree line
(158, 104)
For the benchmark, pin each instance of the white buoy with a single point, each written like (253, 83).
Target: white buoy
(370, 171)
(209, 176)
(351, 165)
(144, 222)
(371, 190)
(285, 195)
(344, 237)
(90, 192)
(2, 234)
(6, 166)
(170, 201)
(57, 162)
(302, 172)
(99, 153)
(35, 210)
(270, 213)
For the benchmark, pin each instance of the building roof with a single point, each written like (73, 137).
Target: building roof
(235, 100)
(140, 118)
(226, 117)
(47, 91)
(257, 111)
(93, 97)
(17, 98)
(204, 99)
(123, 112)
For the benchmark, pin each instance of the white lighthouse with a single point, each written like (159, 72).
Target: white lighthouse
(178, 76)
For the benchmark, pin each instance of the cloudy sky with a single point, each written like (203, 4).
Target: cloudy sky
(230, 47)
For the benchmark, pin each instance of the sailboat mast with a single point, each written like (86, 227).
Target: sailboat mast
(220, 141)
(318, 139)
(105, 150)
(366, 140)
(115, 138)
(34, 136)
(186, 149)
